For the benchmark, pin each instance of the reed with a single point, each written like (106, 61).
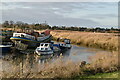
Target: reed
(100, 40)
(103, 63)
(60, 68)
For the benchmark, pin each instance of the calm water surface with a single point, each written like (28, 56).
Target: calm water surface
(76, 53)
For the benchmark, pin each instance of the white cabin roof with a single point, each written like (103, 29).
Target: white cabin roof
(24, 34)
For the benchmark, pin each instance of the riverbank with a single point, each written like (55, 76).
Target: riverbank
(107, 41)
(100, 63)
(103, 75)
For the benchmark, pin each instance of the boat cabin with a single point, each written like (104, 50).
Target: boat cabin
(45, 47)
(67, 41)
(23, 35)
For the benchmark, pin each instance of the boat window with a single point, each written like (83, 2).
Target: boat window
(46, 48)
(46, 44)
(67, 41)
(17, 35)
(42, 48)
(41, 44)
(22, 35)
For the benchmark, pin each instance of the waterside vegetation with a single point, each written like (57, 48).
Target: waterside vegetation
(100, 63)
(109, 41)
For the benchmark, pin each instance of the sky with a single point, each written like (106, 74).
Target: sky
(85, 14)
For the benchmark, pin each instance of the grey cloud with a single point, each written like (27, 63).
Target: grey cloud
(38, 17)
(101, 16)
(41, 11)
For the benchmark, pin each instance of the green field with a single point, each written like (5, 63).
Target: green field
(103, 75)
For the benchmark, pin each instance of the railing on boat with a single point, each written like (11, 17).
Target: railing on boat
(20, 46)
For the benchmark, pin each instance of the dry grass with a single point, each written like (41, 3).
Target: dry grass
(101, 40)
(57, 69)
(104, 62)
(60, 68)
(100, 63)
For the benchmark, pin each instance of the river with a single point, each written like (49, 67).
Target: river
(76, 53)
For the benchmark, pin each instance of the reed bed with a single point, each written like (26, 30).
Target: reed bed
(100, 40)
(60, 68)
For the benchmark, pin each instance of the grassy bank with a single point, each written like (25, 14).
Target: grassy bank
(99, 40)
(107, 41)
(60, 68)
(104, 63)
(103, 75)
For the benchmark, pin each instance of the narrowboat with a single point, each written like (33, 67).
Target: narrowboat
(31, 39)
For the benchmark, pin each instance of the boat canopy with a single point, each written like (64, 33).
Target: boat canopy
(42, 38)
(44, 47)
(67, 41)
(23, 35)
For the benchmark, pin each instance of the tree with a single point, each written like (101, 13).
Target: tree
(11, 23)
(6, 24)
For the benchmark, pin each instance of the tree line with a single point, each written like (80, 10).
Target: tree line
(42, 26)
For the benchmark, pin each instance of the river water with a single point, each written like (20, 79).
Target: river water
(76, 53)
(80, 53)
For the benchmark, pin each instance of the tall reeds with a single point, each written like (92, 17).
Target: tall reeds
(60, 68)
(100, 40)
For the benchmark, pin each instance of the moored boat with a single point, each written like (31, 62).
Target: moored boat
(44, 49)
(47, 49)
(31, 39)
(66, 44)
(5, 48)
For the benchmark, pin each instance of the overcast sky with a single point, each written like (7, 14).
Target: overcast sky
(89, 14)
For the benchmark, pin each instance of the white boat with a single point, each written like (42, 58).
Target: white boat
(44, 49)
(32, 39)
(66, 44)
(5, 48)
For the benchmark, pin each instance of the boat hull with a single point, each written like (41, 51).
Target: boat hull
(65, 46)
(44, 53)
(31, 43)
(5, 48)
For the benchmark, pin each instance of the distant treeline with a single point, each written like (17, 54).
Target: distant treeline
(38, 26)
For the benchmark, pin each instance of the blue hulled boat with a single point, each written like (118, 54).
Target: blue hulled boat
(32, 39)
(5, 48)
(65, 45)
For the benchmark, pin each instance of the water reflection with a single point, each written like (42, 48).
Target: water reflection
(66, 52)
(76, 53)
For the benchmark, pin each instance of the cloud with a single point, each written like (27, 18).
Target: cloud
(11, 5)
(59, 0)
(101, 16)
(62, 13)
